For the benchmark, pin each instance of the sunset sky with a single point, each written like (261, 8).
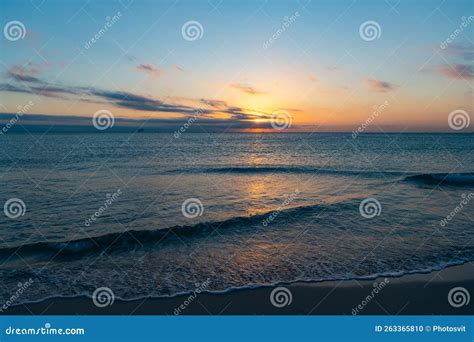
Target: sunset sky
(319, 69)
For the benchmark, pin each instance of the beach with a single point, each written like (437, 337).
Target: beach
(239, 171)
(153, 224)
(413, 294)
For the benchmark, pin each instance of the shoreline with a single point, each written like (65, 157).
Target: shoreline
(411, 294)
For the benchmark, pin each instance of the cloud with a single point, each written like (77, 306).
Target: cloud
(380, 86)
(460, 71)
(214, 103)
(56, 91)
(89, 94)
(23, 77)
(24, 73)
(149, 69)
(63, 123)
(12, 88)
(247, 89)
(40, 89)
(132, 101)
(464, 51)
(206, 108)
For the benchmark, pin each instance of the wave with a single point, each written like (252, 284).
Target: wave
(251, 286)
(308, 280)
(285, 169)
(134, 238)
(137, 238)
(466, 178)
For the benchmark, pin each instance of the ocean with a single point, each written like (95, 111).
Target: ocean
(152, 215)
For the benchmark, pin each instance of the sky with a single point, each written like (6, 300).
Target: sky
(239, 65)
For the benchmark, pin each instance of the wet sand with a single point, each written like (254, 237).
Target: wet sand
(416, 294)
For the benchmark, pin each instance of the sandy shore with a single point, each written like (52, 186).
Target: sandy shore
(414, 294)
